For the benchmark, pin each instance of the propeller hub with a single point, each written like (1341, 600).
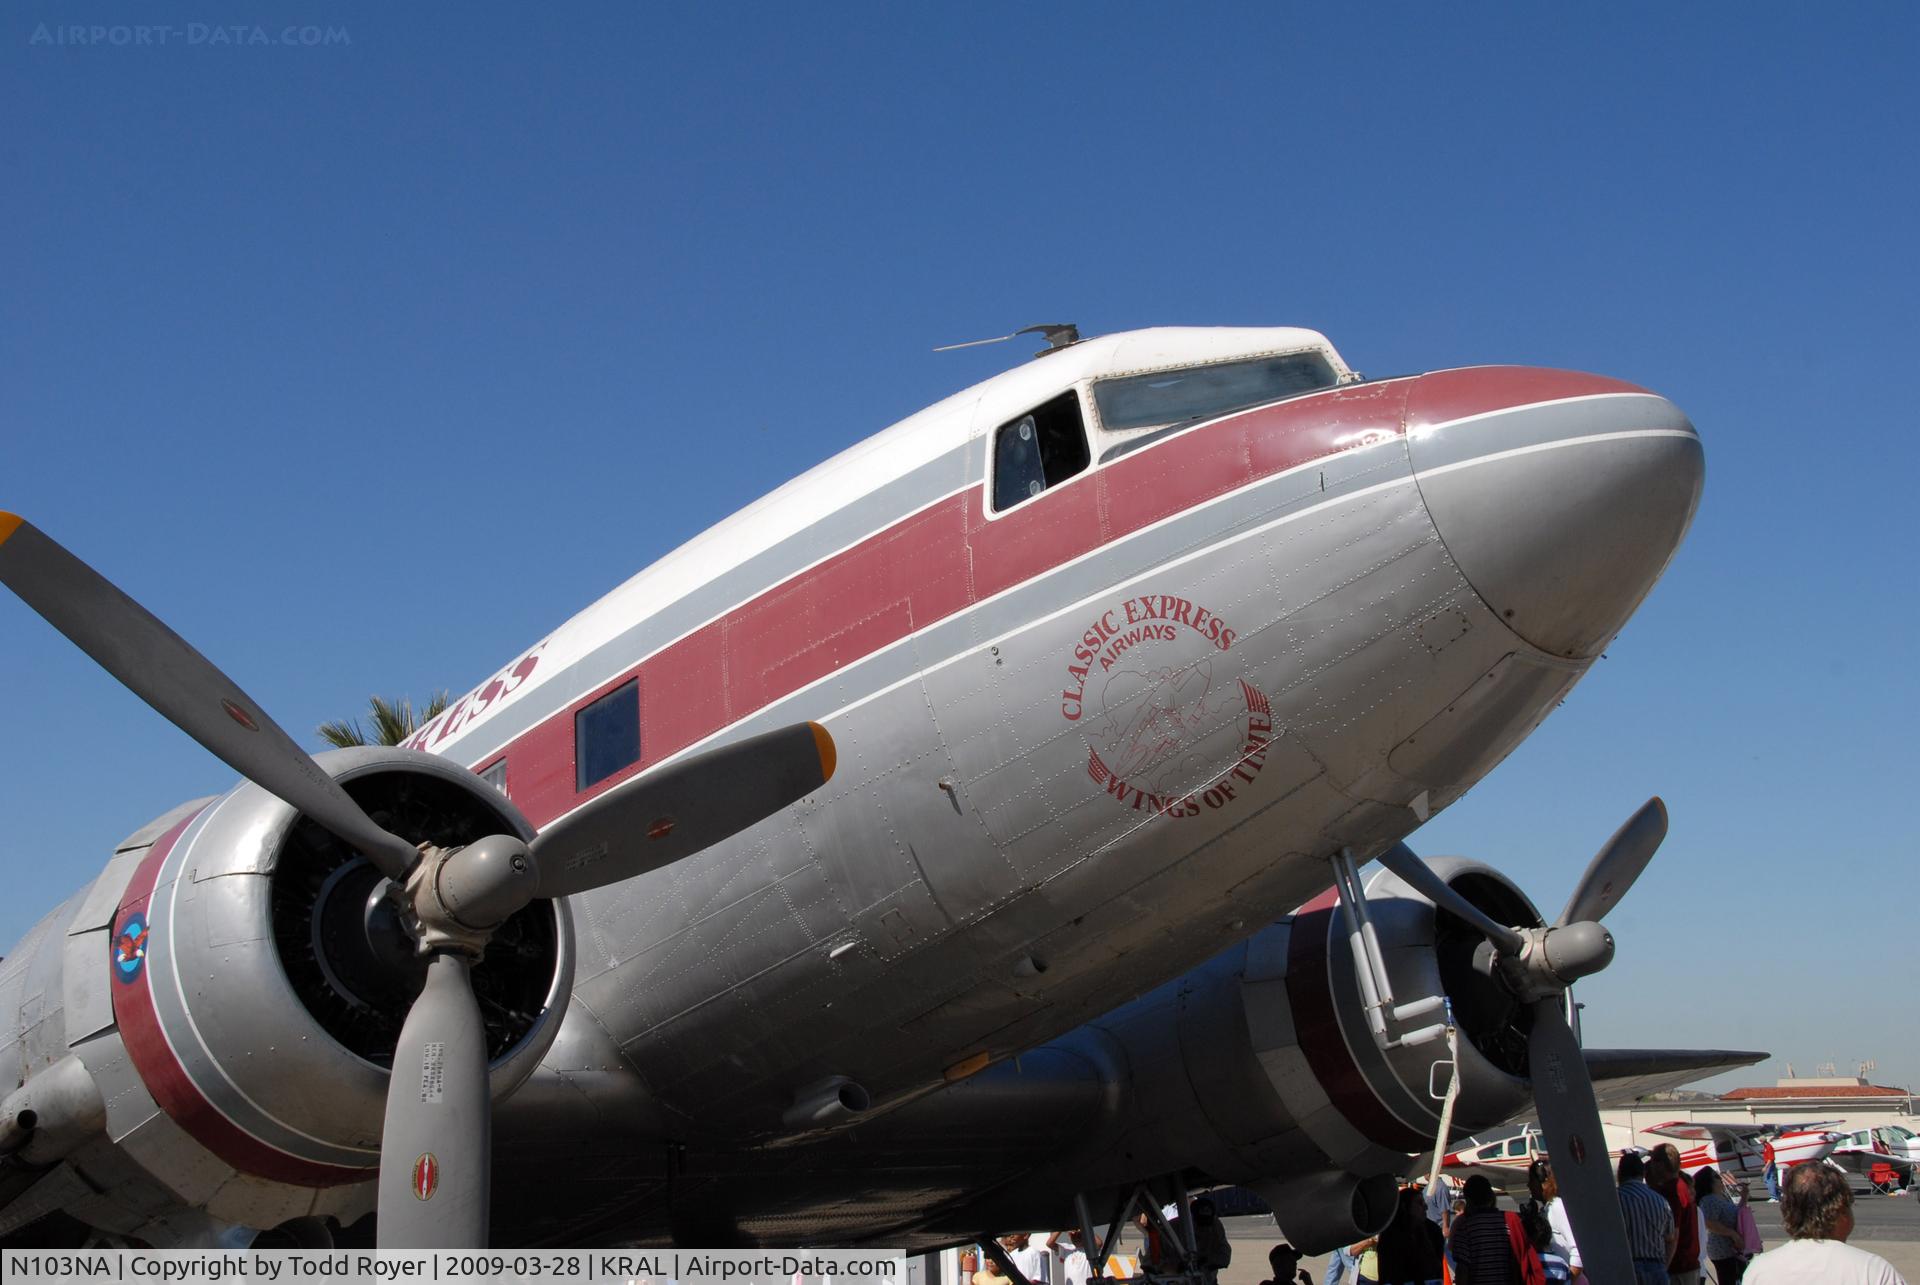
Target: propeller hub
(486, 881)
(1552, 959)
(456, 897)
(1578, 950)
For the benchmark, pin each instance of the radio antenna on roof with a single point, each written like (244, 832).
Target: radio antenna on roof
(1058, 337)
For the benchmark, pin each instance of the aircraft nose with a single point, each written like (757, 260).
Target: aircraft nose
(1560, 496)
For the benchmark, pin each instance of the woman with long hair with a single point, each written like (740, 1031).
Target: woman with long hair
(1546, 1199)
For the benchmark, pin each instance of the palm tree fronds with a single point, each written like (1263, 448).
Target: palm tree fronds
(343, 734)
(392, 721)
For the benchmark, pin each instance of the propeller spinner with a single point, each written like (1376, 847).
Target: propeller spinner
(435, 1148)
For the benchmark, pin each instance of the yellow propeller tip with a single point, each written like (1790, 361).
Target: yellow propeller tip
(9, 523)
(829, 757)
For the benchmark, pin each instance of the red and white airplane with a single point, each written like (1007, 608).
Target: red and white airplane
(910, 854)
(1743, 1149)
(1739, 1150)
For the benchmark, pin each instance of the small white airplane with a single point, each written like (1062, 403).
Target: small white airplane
(910, 855)
(1744, 1149)
(1739, 1150)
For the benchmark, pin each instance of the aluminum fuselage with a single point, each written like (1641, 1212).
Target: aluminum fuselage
(1085, 743)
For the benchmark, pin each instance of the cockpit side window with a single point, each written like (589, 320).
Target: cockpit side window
(1040, 449)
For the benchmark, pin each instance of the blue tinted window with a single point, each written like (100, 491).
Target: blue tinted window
(606, 735)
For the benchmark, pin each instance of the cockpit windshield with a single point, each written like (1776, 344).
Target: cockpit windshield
(1171, 397)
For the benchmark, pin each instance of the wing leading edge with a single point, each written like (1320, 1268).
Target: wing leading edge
(1621, 1076)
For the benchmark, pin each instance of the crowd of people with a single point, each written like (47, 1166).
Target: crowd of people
(1054, 1258)
(1678, 1225)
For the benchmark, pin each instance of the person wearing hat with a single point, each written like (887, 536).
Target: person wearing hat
(1283, 1260)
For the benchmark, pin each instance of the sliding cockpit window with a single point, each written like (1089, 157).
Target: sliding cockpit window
(1042, 448)
(1171, 397)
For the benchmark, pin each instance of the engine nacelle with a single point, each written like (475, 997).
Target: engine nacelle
(1258, 1068)
(1319, 1055)
(256, 1005)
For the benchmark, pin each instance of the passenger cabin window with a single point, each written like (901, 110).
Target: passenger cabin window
(495, 774)
(1042, 448)
(606, 735)
(1170, 399)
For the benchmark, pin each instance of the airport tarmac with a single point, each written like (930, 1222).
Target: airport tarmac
(1885, 1225)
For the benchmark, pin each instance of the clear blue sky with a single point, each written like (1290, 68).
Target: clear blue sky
(366, 363)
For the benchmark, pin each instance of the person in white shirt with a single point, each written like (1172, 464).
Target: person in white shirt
(1556, 1211)
(1816, 1204)
(1074, 1267)
(1034, 1261)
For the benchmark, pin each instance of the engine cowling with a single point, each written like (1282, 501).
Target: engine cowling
(1389, 1100)
(1305, 1107)
(1257, 1068)
(257, 1004)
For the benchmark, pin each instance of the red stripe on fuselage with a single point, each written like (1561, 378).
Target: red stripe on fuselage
(1447, 395)
(927, 567)
(153, 1058)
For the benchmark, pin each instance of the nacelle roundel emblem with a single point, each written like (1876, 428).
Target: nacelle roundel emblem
(426, 1176)
(1173, 727)
(130, 948)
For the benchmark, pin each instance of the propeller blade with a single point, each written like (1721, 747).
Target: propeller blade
(1617, 864)
(159, 667)
(1417, 873)
(1576, 1144)
(672, 811)
(435, 1148)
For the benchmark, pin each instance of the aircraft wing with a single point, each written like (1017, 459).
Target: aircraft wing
(1691, 1131)
(1805, 1126)
(1620, 1076)
(1728, 1137)
(1700, 1131)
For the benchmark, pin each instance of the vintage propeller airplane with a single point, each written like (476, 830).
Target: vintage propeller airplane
(907, 856)
(1738, 1150)
(1744, 1149)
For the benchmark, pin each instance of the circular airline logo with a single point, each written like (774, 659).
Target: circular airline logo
(1172, 726)
(426, 1176)
(130, 948)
